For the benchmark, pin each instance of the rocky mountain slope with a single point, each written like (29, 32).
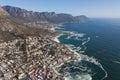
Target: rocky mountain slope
(11, 29)
(3, 12)
(42, 16)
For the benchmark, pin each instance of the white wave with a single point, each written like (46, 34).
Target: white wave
(81, 52)
(70, 36)
(68, 32)
(78, 48)
(87, 58)
(86, 41)
(93, 60)
(81, 67)
(79, 77)
(81, 56)
(77, 36)
(118, 62)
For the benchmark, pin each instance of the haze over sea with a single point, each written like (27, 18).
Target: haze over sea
(97, 41)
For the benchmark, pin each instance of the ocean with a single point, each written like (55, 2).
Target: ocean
(97, 42)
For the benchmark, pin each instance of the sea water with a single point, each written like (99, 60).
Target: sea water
(97, 42)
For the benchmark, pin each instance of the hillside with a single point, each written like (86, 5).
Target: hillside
(11, 29)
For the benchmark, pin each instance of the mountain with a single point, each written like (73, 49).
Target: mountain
(20, 23)
(11, 29)
(51, 17)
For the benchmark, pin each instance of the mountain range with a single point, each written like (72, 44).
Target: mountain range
(42, 16)
(16, 22)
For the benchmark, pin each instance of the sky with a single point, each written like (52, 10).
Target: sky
(90, 8)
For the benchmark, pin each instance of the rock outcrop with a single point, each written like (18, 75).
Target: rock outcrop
(3, 12)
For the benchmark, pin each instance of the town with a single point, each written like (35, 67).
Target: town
(33, 58)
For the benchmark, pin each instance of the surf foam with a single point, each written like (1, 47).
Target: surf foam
(89, 59)
(77, 36)
(74, 49)
(79, 77)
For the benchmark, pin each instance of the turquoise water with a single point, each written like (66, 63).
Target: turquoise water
(97, 41)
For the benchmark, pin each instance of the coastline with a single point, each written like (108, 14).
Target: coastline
(79, 57)
(55, 38)
(34, 57)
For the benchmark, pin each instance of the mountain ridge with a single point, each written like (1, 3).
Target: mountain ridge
(42, 16)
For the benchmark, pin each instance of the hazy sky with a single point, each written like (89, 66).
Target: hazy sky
(90, 8)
